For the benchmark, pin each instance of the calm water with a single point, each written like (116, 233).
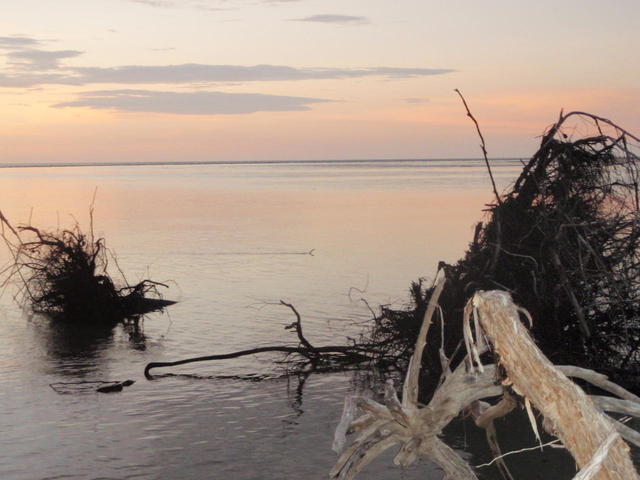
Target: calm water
(226, 238)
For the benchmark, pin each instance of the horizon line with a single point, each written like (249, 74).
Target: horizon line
(240, 162)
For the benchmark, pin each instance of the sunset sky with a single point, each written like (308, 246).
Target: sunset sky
(242, 80)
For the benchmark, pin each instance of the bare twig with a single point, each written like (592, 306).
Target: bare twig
(298, 326)
(513, 452)
(482, 145)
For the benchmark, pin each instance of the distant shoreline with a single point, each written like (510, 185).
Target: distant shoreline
(245, 162)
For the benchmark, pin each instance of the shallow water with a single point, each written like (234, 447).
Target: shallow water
(230, 241)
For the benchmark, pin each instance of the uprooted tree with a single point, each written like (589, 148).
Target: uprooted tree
(565, 242)
(63, 274)
(519, 375)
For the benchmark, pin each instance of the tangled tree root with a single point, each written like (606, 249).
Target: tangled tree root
(565, 242)
(64, 275)
(521, 375)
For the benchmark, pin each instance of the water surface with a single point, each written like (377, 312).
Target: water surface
(229, 240)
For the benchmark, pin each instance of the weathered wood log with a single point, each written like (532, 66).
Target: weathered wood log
(415, 429)
(576, 421)
(592, 438)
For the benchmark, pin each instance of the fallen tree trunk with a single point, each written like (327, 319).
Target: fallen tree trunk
(531, 379)
(313, 355)
(571, 414)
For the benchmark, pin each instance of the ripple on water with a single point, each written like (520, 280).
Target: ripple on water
(193, 425)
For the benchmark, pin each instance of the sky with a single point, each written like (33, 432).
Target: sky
(245, 80)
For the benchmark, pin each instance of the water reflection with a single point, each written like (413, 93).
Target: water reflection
(294, 385)
(513, 433)
(295, 395)
(76, 349)
(390, 225)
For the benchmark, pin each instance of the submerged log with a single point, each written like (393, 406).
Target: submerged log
(136, 304)
(324, 358)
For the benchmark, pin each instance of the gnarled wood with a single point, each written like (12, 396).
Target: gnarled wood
(594, 439)
(578, 424)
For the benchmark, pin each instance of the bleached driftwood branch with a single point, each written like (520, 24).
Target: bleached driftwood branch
(577, 420)
(568, 411)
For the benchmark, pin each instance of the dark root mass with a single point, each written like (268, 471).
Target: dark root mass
(565, 241)
(64, 275)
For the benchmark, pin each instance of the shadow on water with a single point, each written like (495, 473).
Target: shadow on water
(295, 384)
(77, 349)
(514, 434)
(295, 393)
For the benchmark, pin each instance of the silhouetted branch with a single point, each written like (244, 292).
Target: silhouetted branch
(328, 357)
(482, 145)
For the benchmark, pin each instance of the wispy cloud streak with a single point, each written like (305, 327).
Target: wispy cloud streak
(44, 68)
(203, 4)
(154, 3)
(17, 42)
(197, 4)
(31, 66)
(35, 79)
(191, 72)
(34, 59)
(190, 103)
(333, 18)
(28, 66)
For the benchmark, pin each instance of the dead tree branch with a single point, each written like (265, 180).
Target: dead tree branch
(482, 145)
(565, 241)
(324, 358)
(525, 376)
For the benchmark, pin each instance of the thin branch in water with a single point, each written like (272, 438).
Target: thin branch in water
(360, 291)
(298, 326)
(513, 452)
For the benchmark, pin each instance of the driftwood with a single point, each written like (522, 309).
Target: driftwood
(325, 358)
(522, 375)
(568, 412)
